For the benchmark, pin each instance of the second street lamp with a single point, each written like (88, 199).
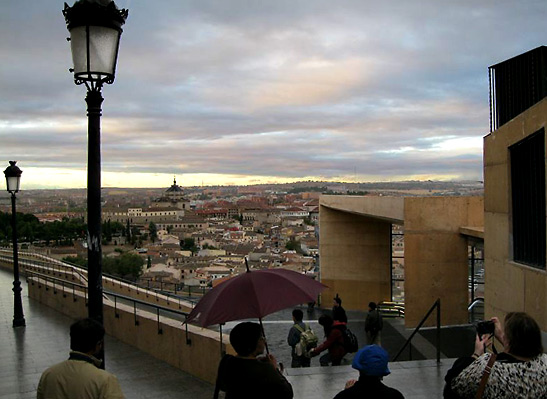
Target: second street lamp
(95, 28)
(13, 182)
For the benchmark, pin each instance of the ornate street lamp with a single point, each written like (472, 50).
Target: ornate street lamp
(13, 182)
(95, 28)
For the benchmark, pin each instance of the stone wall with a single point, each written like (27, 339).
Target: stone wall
(436, 256)
(166, 341)
(509, 286)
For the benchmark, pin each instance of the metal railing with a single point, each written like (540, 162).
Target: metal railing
(54, 266)
(436, 305)
(475, 315)
(391, 309)
(27, 261)
(68, 287)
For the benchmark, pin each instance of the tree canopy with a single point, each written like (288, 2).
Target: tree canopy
(127, 266)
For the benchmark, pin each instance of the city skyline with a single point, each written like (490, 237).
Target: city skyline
(245, 93)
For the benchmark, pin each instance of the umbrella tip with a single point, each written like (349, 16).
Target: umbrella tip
(247, 265)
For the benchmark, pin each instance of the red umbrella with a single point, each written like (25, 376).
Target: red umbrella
(254, 295)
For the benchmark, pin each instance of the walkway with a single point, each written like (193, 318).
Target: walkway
(25, 352)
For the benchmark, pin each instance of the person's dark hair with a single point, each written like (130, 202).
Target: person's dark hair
(339, 314)
(372, 305)
(338, 300)
(85, 334)
(523, 335)
(298, 314)
(326, 321)
(244, 338)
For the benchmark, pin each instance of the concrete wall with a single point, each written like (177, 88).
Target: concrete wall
(509, 286)
(436, 256)
(199, 358)
(355, 251)
(355, 258)
(384, 208)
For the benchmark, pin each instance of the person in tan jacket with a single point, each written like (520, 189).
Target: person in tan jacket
(80, 376)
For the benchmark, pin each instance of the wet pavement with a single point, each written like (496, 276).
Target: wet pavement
(26, 351)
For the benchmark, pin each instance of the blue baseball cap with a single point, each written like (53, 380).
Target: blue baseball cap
(371, 360)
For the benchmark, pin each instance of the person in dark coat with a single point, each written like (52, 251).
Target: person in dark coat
(373, 324)
(371, 361)
(250, 375)
(338, 312)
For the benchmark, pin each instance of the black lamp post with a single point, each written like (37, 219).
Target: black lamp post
(13, 181)
(95, 28)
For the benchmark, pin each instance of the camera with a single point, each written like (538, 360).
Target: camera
(485, 327)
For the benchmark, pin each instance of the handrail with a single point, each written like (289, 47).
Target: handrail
(472, 314)
(116, 296)
(43, 261)
(56, 265)
(437, 305)
(475, 303)
(391, 309)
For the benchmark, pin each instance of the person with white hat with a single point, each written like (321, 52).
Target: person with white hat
(371, 361)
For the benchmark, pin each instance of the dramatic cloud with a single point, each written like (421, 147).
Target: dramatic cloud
(237, 91)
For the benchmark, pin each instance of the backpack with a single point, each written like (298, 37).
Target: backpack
(308, 341)
(351, 344)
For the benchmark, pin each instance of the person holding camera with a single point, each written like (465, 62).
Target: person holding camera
(520, 371)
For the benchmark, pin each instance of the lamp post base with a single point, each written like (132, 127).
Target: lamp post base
(18, 317)
(19, 322)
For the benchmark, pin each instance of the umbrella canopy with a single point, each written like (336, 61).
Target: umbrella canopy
(254, 295)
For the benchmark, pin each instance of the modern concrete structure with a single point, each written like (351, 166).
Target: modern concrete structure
(511, 220)
(355, 251)
(515, 206)
(511, 285)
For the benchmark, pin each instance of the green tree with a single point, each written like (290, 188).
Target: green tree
(127, 266)
(128, 231)
(153, 230)
(76, 260)
(107, 231)
(29, 228)
(293, 245)
(189, 244)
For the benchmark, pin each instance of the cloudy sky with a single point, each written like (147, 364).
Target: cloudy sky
(242, 92)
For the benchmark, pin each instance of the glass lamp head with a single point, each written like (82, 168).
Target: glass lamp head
(13, 177)
(95, 28)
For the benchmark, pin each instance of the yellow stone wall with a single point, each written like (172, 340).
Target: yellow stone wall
(355, 251)
(355, 258)
(436, 256)
(509, 286)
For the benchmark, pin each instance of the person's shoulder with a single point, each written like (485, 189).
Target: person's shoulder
(540, 361)
(394, 393)
(298, 326)
(227, 360)
(56, 368)
(346, 394)
(542, 357)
